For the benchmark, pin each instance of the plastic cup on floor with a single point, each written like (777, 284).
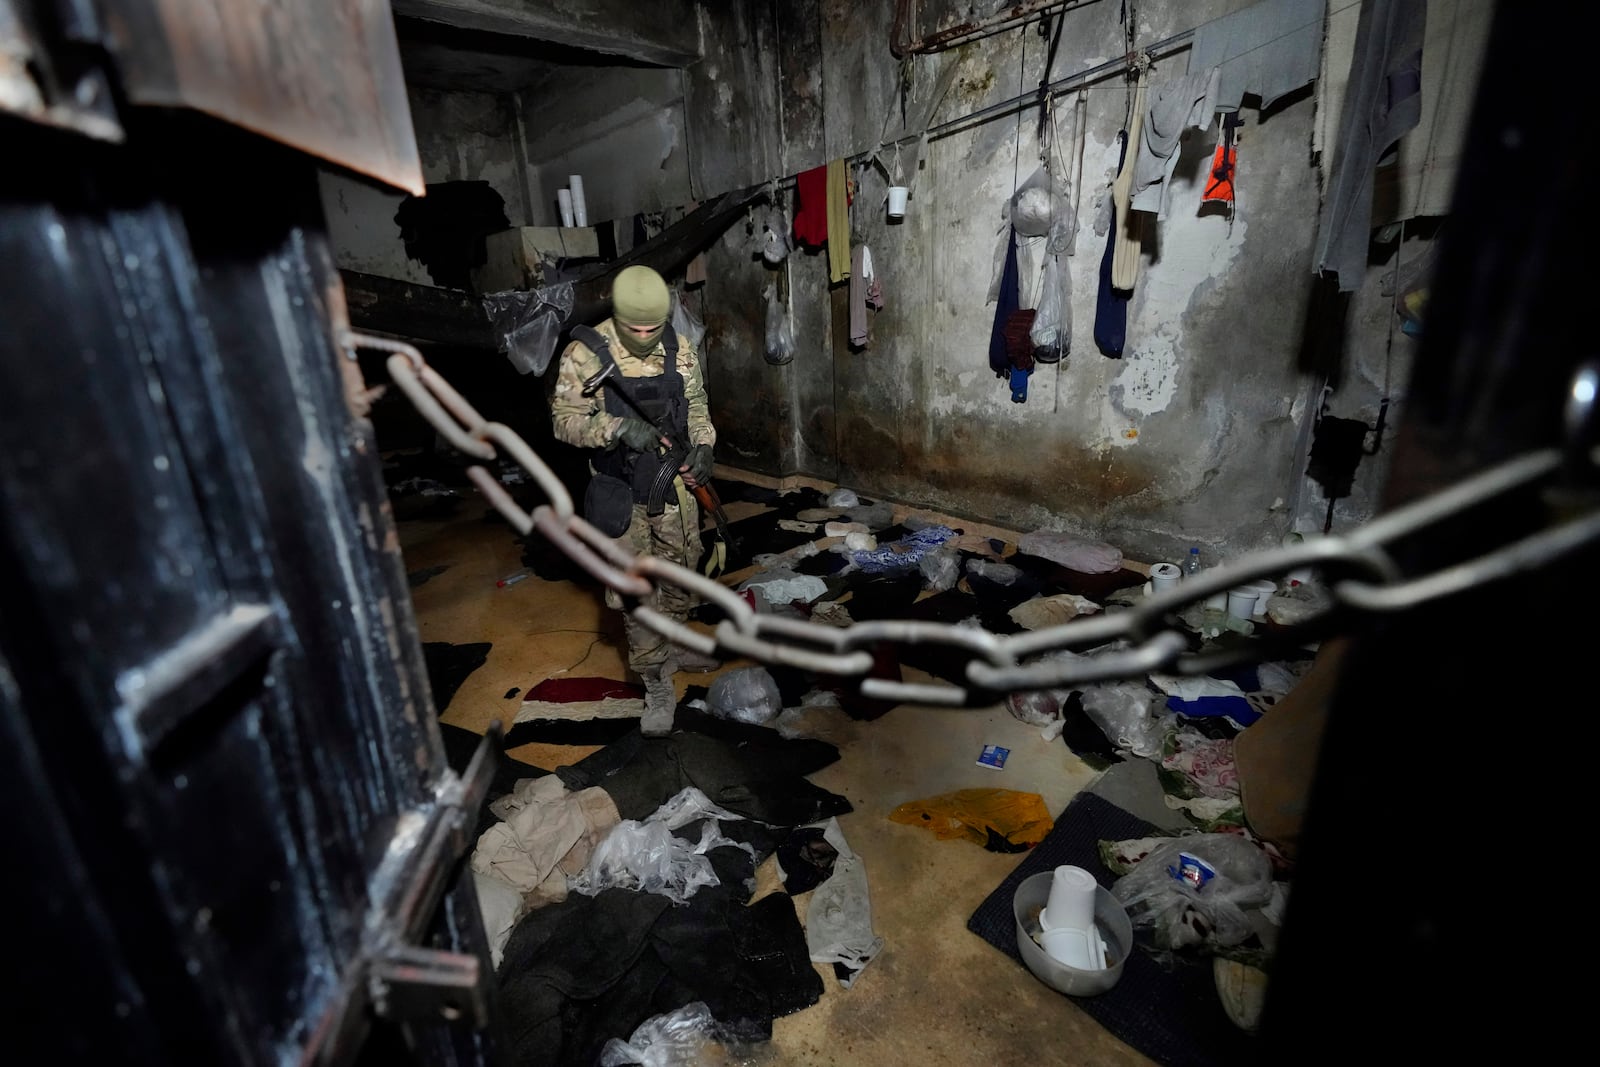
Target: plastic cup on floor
(1071, 903)
(1164, 576)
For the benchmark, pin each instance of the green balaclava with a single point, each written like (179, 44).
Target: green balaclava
(639, 298)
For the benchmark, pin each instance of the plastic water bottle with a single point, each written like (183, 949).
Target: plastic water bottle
(1191, 566)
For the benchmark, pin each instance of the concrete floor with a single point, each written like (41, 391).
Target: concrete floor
(938, 994)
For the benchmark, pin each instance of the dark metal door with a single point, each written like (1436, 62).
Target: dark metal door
(240, 839)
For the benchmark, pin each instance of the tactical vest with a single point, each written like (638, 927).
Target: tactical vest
(663, 401)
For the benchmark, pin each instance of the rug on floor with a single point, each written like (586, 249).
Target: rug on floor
(1172, 1016)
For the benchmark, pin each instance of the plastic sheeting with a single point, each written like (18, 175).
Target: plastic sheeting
(528, 323)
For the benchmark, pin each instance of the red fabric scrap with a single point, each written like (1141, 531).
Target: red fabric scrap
(811, 212)
(572, 690)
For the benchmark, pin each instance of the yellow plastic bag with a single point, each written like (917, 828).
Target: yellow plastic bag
(1001, 820)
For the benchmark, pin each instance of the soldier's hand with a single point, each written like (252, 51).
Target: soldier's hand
(637, 435)
(697, 465)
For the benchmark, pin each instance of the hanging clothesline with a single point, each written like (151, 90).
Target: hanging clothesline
(1083, 78)
(1177, 42)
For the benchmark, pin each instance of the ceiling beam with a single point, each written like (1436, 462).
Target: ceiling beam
(662, 32)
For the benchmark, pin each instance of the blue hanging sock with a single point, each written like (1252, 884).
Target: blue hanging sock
(1111, 305)
(1019, 385)
(1009, 300)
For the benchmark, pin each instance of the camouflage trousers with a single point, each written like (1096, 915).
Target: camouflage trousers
(674, 535)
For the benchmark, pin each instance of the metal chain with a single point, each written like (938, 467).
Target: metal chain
(1360, 575)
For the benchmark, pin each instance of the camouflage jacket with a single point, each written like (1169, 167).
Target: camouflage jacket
(583, 420)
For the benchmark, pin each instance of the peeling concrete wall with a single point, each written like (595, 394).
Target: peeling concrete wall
(461, 136)
(1195, 436)
(620, 128)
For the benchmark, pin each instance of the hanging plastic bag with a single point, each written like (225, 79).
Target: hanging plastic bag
(1196, 890)
(780, 328)
(684, 323)
(774, 241)
(1039, 203)
(1052, 325)
(528, 323)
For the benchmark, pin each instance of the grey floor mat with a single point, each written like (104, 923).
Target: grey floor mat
(1172, 1016)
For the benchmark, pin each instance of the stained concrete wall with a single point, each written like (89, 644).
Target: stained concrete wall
(461, 136)
(620, 128)
(1196, 436)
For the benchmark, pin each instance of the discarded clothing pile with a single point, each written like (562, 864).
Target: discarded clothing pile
(634, 868)
(579, 973)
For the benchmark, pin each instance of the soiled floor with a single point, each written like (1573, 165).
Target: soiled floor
(938, 994)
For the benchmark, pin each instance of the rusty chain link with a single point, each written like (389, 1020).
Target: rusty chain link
(1356, 568)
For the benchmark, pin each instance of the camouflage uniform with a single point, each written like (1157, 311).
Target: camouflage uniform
(673, 535)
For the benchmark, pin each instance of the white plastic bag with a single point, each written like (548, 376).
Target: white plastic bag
(674, 1039)
(1128, 714)
(747, 694)
(771, 237)
(1052, 323)
(780, 328)
(684, 324)
(1039, 203)
(843, 498)
(941, 568)
(647, 857)
(1196, 890)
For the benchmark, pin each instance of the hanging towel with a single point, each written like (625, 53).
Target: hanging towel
(865, 292)
(1382, 101)
(1127, 226)
(1268, 49)
(1007, 302)
(1111, 304)
(838, 222)
(1175, 106)
(811, 211)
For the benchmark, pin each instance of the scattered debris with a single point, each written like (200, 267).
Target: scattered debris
(449, 665)
(748, 694)
(843, 498)
(1043, 612)
(1001, 820)
(993, 756)
(421, 577)
(839, 918)
(1074, 553)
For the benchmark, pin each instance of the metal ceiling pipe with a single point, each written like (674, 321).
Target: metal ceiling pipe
(961, 33)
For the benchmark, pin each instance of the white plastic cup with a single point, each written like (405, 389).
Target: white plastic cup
(564, 198)
(1242, 602)
(1164, 576)
(1071, 903)
(898, 195)
(580, 206)
(1264, 589)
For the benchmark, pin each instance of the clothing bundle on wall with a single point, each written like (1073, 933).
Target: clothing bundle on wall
(1266, 51)
(1022, 336)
